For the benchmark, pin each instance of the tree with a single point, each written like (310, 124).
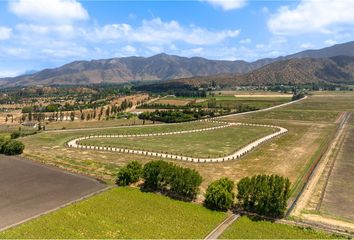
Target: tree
(72, 116)
(184, 182)
(12, 147)
(264, 194)
(219, 194)
(129, 174)
(153, 174)
(179, 182)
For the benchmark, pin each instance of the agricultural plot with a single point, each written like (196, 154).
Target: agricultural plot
(338, 198)
(122, 213)
(173, 101)
(214, 143)
(316, 108)
(28, 189)
(246, 228)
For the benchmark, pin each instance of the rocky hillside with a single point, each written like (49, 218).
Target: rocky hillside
(118, 70)
(339, 69)
(294, 68)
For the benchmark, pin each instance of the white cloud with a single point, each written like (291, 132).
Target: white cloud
(156, 31)
(5, 33)
(227, 4)
(49, 10)
(129, 49)
(306, 45)
(245, 41)
(9, 73)
(312, 16)
(35, 29)
(330, 42)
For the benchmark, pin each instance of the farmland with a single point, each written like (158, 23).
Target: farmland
(290, 155)
(248, 228)
(339, 195)
(118, 213)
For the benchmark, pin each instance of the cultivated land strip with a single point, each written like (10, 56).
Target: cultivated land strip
(304, 197)
(75, 143)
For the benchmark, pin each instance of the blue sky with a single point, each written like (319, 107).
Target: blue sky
(37, 34)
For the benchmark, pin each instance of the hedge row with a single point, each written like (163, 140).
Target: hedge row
(262, 194)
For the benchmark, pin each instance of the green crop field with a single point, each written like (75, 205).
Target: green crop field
(212, 143)
(245, 228)
(122, 213)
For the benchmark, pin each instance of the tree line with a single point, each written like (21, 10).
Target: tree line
(265, 195)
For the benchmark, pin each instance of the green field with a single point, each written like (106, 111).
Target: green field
(122, 213)
(212, 143)
(245, 228)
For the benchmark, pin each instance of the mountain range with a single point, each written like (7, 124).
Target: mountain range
(332, 64)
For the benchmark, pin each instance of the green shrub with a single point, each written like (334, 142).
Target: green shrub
(12, 147)
(219, 194)
(179, 182)
(154, 176)
(15, 135)
(264, 194)
(184, 182)
(129, 174)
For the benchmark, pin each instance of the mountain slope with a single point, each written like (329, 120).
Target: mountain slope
(344, 49)
(118, 70)
(166, 67)
(339, 70)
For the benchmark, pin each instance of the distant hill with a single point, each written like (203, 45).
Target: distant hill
(344, 49)
(338, 70)
(118, 70)
(167, 67)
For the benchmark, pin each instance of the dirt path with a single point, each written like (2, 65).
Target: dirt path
(216, 233)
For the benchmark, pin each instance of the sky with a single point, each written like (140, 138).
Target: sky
(38, 34)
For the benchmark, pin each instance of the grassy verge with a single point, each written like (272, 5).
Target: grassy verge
(246, 228)
(122, 213)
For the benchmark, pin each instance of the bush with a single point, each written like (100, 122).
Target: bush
(154, 176)
(15, 135)
(184, 182)
(12, 147)
(219, 194)
(129, 174)
(264, 194)
(179, 182)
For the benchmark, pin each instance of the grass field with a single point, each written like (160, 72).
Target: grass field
(245, 228)
(213, 143)
(122, 213)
